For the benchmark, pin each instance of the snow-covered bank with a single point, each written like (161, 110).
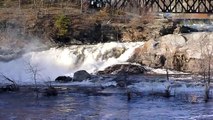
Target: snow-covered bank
(65, 61)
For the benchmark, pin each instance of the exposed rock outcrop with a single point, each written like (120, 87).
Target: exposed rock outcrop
(63, 79)
(139, 31)
(175, 51)
(50, 91)
(123, 68)
(115, 52)
(81, 75)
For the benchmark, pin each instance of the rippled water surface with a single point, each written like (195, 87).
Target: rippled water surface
(73, 106)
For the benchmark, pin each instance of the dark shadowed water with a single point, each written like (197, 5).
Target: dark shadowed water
(73, 106)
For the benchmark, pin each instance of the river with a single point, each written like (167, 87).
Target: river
(74, 106)
(80, 106)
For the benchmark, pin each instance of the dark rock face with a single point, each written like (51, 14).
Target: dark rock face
(185, 29)
(179, 61)
(50, 91)
(167, 30)
(81, 75)
(63, 79)
(123, 68)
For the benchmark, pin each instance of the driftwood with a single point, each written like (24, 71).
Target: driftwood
(12, 87)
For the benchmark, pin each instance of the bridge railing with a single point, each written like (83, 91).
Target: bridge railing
(180, 6)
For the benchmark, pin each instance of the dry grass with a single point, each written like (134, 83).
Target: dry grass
(142, 19)
(101, 15)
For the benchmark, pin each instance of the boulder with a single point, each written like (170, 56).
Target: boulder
(63, 79)
(81, 75)
(123, 68)
(121, 84)
(115, 52)
(122, 80)
(50, 91)
(186, 29)
(180, 52)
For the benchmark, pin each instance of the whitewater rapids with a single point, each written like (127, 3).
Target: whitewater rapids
(65, 61)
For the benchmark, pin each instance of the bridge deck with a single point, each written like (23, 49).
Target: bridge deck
(195, 16)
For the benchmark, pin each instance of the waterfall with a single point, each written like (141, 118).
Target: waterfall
(65, 61)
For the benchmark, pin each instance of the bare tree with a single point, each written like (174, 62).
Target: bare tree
(206, 49)
(33, 70)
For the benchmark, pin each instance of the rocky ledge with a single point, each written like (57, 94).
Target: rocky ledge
(181, 52)
(123, 68)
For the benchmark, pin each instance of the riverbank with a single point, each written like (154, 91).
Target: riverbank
(62, 63)
(68, 26)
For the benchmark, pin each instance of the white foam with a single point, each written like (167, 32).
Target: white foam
(65, 61)
(163, 71)
(201, 117)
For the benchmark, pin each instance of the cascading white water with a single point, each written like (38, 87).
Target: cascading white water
(200, 25)
(65, 61)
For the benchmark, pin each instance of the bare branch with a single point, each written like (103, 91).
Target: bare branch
(206, 50)
(8, 79)
(11, 87)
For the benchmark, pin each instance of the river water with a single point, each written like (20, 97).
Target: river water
(79, 106)
(75, 106)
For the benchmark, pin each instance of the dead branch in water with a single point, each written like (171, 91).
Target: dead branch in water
(13, 87)
(8, 79)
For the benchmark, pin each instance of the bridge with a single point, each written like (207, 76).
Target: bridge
(180, 6)
(165, 6)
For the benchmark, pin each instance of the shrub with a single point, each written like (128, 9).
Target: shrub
(103, 14)
(62, 25)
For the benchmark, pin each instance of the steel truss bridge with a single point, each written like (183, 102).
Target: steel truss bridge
(170, 6)
(179, 6)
